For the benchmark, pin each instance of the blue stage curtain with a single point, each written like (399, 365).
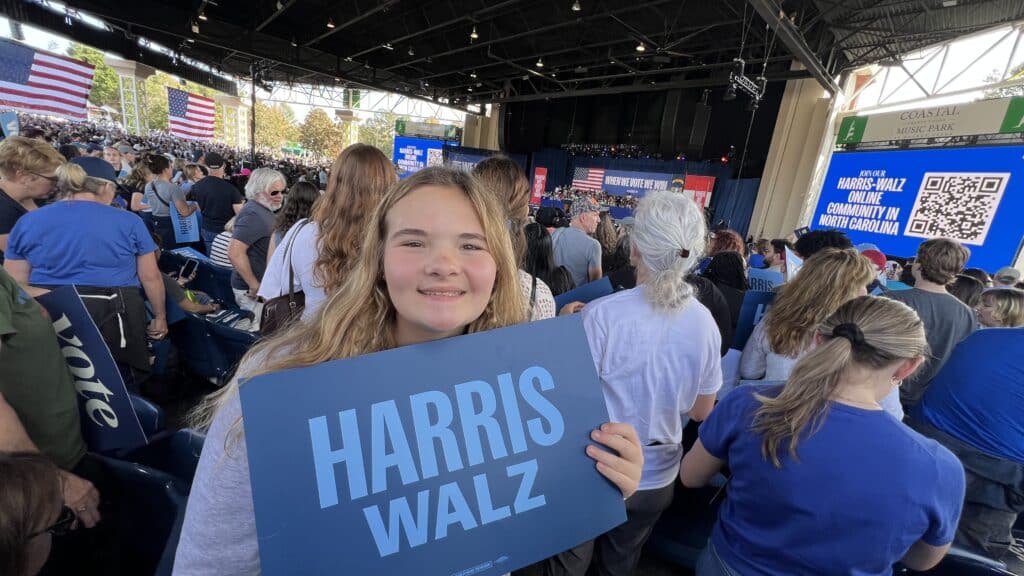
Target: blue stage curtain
(733, 203)
(557, 163)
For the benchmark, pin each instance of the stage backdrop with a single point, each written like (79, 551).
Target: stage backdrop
(897, 199)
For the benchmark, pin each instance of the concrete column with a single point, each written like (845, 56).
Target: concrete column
(229, 116)
(797, 143)
(130, 75)
(482, 131)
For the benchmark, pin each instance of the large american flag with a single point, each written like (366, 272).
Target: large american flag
(189, 115)
(588, 179)
(43, 83)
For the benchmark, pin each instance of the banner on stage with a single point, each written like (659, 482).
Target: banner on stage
(108, 419)
(459, 456)
(629, 183)
(540, 179)
(186, 230)
(700, 188)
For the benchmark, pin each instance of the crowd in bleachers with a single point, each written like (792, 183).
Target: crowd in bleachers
(872, 418)
(570, 194)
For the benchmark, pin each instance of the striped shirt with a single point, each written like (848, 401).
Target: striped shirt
(219, 250)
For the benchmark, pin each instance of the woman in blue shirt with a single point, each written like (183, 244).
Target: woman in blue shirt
(824, 481)
(106, 253)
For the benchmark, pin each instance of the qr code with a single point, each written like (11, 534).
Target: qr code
(435, 157)
(957, 205)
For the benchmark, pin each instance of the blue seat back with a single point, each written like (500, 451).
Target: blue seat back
(148, 518)
(150, 415)
(176, 454)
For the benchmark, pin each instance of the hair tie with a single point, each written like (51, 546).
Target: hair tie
(851, 332)
(684, 253)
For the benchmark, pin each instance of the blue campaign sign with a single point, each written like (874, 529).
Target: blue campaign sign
(755, 305)
(587, 293)
(459, 456)
(897, 199)
(793, 265)
(764, 279)
(108, 418)
(186, 230)
(414, 154)
(629, 183)
(10, 124)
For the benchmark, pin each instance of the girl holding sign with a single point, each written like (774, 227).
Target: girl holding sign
(436, 262)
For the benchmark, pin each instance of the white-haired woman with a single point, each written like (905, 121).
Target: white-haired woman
(251, 239)
(656, 349)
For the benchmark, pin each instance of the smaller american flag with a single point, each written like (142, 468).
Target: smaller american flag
(588, 179)
(189, 115)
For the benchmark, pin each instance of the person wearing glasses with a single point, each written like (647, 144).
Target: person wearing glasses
(161, 194)
(251, 240)
(32, 514)
(26, 177)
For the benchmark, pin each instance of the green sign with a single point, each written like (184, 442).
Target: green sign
(851, 131)
(1014, 119)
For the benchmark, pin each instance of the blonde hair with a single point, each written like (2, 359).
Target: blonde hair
(27, 155)
(359, 318)
(507, 181)
(360, 176)
(826, 281)
(72, 179)
(892, 332)
(1008, 304)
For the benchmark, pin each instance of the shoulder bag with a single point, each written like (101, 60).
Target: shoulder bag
(282, 310)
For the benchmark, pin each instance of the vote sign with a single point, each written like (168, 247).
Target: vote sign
(462, 456)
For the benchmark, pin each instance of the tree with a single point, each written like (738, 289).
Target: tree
(1007, 91)
(105, 90)
(379, 131)
(320, 135)
(273, 127)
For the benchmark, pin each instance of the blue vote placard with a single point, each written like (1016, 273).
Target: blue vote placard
(587, 293)
(764, 279)
(896, 199)
(108, 419)
(460, 456)
(186, 229)
(755, 305)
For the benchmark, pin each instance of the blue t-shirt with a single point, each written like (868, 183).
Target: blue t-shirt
(864, 489)
(80, 242)
(978, 396)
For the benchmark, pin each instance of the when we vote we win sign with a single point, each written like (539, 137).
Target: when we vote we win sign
(464, 456)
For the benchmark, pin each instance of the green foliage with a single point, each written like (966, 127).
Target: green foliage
(275, 125)
(1017, 72)
(105, 90)
(321, 135)
(379, 131)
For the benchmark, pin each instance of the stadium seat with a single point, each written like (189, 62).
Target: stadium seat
(176, 454)
(213, 280)
(149, 516)
(150, 415)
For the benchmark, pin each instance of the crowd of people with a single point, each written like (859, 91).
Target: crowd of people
(570, 194)
(882, 424)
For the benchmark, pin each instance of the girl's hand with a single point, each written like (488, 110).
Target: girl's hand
(624, 465)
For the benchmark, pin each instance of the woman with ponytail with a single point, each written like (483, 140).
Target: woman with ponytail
(656, 350)
(824, 481)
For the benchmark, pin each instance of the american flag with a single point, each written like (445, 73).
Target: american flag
(189, 115)
(588, 179)
(43, 83)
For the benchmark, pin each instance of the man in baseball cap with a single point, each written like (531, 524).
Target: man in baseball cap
(574, 246)
(1006, 277)
(218, 198)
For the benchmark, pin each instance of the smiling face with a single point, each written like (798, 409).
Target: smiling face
(437, 266)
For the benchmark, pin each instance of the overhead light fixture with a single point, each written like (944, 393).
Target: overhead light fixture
(576, 6)
(202, 16)
(279, 5)
(411, 51)
(387, 46)
(195, 27)
(470, 89)
(191, 40)
(640, 47)
(540, 63)
(472, 74)
(473, 35)
(330, 23)
(294, 43)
